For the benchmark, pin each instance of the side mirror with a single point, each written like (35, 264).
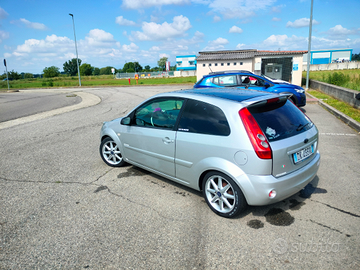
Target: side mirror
(125, 121)
(267, 85)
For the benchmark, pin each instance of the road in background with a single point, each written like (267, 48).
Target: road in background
(28, 102)
(62, 207)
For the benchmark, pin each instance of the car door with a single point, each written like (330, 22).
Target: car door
(150, 138)
(202, 135)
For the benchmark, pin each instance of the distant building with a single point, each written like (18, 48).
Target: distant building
(283, 65)
(328, 56)
(185, 65)
(186, 62)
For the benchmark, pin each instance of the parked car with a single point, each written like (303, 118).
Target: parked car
(238, 147)
(247, 80)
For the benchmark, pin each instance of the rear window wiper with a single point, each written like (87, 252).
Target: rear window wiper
(301, 127)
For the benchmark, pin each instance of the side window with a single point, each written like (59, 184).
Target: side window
(203, 118)
(255, 81)
(225, 80)
(159, 113)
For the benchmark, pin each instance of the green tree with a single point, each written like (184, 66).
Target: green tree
(132, 67)
(162, 63)
(129, 67)
(50, 72)
(13, 75)
(355, 57)
(106, 70)
(28, 76)
(70, 67)
(147, 68)
(86, 69)
(138, 67)
(96, 71)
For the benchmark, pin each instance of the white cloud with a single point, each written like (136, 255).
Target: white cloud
(33, 25)
(235, 29)
(216, 18)
(122, 21)
(339, 32)
(130, 48)
(217, 44)
(240, 46)
(277, 9)
(3, 13)
(283, 42)
(154, 31)
(3, 35)
(303, 22)
(141, 4)
(239, 8)
(276, 19)
(100, 38)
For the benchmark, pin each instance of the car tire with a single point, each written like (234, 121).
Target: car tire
(111, 153)
(223, 195)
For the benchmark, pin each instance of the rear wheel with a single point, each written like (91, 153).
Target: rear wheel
(223, 195)
(110, 153)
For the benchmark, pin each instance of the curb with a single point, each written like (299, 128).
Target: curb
(87, 101)
(343, 117)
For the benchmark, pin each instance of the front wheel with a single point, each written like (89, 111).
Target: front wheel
(223, 195)
(110, 153)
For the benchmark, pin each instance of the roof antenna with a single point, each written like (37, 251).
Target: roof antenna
(210, 69)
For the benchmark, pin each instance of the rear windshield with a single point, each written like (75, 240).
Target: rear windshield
(280, 120)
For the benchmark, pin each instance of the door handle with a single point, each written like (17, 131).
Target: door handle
(167, 140)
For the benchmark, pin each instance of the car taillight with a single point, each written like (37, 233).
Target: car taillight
(256, 135)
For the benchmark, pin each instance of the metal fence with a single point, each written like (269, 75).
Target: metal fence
(144, 75)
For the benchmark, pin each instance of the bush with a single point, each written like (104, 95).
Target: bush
(338, 78)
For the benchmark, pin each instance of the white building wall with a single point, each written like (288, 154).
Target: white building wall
(203, 67)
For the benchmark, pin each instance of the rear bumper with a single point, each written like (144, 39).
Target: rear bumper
(256, 188)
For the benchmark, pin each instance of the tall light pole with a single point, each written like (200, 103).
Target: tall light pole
(77, 57)
(309, 46)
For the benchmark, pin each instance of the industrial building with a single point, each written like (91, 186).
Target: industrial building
(328, 56)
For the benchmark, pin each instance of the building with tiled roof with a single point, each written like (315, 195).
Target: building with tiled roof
(283, 65)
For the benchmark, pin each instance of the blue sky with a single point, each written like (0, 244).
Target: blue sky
(36, 34)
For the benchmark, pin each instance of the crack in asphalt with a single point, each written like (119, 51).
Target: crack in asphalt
(338, 209)
(333, 229)
(99, 188)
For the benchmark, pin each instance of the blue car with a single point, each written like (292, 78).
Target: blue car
(248, 80)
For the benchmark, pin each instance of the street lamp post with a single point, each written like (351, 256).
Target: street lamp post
(77, 57)
(309, 46)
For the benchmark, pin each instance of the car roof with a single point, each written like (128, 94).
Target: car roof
(233, 93)
(229, 71)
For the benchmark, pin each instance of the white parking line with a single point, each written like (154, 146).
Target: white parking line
(337, 134)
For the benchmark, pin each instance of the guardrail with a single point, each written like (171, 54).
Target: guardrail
(346, 95)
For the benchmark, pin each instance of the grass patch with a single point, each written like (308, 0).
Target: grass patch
(349, 78)
(105, 80)
(337, 104)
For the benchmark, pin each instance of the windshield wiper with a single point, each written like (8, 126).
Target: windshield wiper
(301, 127)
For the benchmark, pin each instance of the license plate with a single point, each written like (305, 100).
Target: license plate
(303, 154)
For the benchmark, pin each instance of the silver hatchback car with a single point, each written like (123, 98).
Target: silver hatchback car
(238, 147)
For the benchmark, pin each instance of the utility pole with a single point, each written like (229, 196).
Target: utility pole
(309, 47)
(7, 77)
(77, 57)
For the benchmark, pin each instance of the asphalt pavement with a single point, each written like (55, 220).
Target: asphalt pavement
(61, 207)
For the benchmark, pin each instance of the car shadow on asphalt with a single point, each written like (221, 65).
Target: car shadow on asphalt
(278, 214)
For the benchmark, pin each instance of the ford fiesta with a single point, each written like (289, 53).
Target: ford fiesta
(243, 79)
(238, 147)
